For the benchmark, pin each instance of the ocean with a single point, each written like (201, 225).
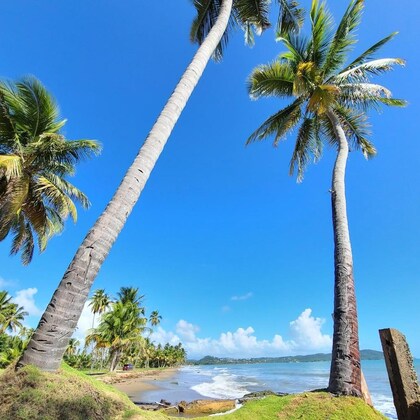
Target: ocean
(234, 381)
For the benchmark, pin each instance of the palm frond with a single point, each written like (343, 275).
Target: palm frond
(321, 21)
(343, 38)
(58, 198)
(10, 166)
(361, 72)
(207, 14)
(367, 95)
(357, 130)
(290, 17)
(274, 79)
(278, 124)
(306, 144)
(370, 52)
(297, 49)
(68, 189)
(252, 14)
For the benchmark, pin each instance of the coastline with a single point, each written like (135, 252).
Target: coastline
(139, 381)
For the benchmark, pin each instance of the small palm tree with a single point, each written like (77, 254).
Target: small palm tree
(72, 347)
(11, 314)
(100, 302)
(155, 318)
(35, 160)
(330, 104)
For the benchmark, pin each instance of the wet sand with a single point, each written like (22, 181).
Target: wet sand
(138, 382)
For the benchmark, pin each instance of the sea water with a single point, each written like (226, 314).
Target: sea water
(234, 381)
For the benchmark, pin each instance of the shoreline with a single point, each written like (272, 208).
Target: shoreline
(139, 381)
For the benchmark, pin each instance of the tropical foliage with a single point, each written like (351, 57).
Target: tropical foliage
(35, 161)
(330, 101)
(122, 335)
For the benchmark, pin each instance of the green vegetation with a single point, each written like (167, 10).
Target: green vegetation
(308, 406)
(318, 357)
(123, 335)
(32, 394)
(35, 160)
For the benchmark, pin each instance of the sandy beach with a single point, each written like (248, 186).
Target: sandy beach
(139, 381)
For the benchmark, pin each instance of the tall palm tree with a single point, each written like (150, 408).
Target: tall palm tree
(330, 104)
(100, 302)
(35, 160)
(62, 314)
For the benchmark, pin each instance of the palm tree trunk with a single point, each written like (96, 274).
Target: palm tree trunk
(345, 375)
(59, 320)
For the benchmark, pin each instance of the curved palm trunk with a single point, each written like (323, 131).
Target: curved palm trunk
(345, 375)
(57, 324)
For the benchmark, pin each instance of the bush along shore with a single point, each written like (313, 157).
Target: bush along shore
(71, 394)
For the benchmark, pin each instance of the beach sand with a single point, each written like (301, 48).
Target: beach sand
(139, 381)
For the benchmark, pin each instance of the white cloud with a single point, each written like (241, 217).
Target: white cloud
(305, 333)
(242, 297)
(25, 298)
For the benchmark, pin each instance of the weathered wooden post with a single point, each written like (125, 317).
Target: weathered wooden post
(401, 373)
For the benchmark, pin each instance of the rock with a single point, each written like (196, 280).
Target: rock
(259, 395)
(206, 406)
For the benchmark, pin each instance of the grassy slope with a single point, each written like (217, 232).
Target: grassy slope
(31, 394)
(308, 406)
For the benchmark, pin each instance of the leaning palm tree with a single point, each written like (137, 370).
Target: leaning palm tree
(330, 104)
(35, 160)
(62, 314)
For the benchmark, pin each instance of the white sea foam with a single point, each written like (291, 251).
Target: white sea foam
(385, 405)
(222, 386)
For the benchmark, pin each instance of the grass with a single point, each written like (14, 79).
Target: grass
(72, 395)
(308, 406)
(33, 394)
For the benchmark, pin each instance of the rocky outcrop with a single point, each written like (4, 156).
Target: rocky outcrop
(259, 395)
(200, 407)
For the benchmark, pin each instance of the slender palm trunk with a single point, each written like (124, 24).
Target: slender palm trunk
(59, 321)
(345, 375)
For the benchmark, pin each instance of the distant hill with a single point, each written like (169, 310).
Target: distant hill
(318, 357)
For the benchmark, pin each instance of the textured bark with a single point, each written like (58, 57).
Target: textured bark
(345, 375)
(59, 320)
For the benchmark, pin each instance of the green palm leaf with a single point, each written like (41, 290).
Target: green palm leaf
(290, 17)
(278, 124)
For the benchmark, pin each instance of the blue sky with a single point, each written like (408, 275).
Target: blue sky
(219, 220)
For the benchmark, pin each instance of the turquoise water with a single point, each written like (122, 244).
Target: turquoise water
(234, 381)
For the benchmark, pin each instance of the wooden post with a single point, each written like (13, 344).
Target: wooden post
(401, 373)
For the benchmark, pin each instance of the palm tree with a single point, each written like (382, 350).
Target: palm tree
(155, 318)
(62, 314)
(130, 295)
(35, 159)
(119, 329)
(72, 347)
(330, 102)
(100, 302)
(11, 314)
